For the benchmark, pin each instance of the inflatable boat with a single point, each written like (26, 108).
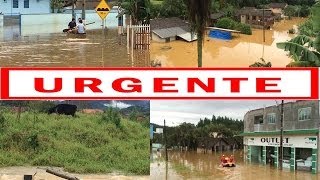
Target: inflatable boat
(229, 164)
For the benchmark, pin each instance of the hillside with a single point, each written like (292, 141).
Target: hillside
(86, 144)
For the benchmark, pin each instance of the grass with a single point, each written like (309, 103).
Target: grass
(156, 2)
(85, 144)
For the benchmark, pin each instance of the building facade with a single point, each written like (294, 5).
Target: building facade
(17, 7)
(256, 18)
(300, 135)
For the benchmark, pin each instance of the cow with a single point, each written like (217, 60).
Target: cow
(66, 109)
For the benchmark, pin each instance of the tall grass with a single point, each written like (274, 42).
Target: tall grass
(86, 144)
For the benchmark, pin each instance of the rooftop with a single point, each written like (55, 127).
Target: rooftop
(254, 12)
(277, 5)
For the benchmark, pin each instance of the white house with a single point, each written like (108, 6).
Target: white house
(16, 7)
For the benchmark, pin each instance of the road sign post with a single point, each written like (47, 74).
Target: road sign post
(103, 9)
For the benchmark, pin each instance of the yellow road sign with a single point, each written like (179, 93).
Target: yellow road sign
(103, 9)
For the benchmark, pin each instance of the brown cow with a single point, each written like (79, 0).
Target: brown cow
(92, 111)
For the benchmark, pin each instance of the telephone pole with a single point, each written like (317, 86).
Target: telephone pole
(281, 138)
(165, 139)
(83, 9)
(73, 15)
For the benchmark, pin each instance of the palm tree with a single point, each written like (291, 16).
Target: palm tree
(198, 12)
(305, 50)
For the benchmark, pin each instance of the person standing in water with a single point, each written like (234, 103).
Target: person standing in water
(72, 25)
(81, 28)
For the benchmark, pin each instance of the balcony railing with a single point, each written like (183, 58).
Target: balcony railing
(258, 127)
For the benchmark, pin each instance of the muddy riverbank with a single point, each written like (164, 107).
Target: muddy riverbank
(241, 51)
(17, 173)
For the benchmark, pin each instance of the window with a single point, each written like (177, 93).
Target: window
(304, 114)
(258, 119)
(271, 117)
(26, 4)
(15, 4)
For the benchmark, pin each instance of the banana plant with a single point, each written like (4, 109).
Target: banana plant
(305, 50)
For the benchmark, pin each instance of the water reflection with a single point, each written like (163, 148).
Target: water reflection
(239, 52)
(192, 165)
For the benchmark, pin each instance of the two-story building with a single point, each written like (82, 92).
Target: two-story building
(16, 7)
(300, 135)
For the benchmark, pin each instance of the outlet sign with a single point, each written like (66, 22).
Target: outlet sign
(288, 141)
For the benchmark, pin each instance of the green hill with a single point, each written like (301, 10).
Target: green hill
(86, 144)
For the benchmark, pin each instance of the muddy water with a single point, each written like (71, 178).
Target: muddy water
(39, 173)
(60, 50)
(241, 51)
(192, 165)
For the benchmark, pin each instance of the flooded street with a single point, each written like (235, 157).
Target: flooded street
(62, 50)
(16, 173)
(192, 165)
(241, 51)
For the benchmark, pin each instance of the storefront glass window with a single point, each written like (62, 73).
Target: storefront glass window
(271, 117)
(304, 113)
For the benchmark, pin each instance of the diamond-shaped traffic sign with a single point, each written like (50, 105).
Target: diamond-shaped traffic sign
(103, 9)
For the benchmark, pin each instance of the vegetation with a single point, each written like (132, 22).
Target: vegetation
(99, 143)
(138, 9)
(229, 23)
(263, 63)
(297, 11)
(187, 134)
(305, 48)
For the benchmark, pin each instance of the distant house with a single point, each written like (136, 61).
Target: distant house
(256, 17)
(211, 144)
(215, 17)
(16, 7)
(277, 8)
(170, 29)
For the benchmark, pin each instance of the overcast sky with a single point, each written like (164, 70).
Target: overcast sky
(177, 112)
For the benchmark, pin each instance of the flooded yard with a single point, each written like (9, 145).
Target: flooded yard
(192, 165)
(241, 51)
(60, 50)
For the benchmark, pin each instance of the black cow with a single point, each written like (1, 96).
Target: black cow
(66, 109)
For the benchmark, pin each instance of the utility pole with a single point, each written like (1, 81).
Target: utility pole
(83, 9)
(73, 15)
(165, 139)
(264, 31)
(281, 138)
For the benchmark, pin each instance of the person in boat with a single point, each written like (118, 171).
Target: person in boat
(224, 159)
(81, 29)
(72, 25)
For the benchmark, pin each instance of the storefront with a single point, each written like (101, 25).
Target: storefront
(299, 151)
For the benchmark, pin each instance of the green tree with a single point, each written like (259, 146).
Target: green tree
(138, 9)
(198, 13)
(305, 50)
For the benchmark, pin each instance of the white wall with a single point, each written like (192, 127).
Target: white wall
(1, 21)
(35, 7)
(55, 23)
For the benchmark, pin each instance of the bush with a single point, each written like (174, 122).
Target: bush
(244, 28)
(226, 23)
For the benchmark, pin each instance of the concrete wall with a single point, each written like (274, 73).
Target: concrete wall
(1, 21)
(290, 120)
(55, 23)
(35, 7)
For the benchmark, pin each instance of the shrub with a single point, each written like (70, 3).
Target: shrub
(244, 28)
(226, 23)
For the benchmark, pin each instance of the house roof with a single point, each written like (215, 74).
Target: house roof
(215, 16)
(277, 5)
(164, 23)
(169, 32)
(254, 12)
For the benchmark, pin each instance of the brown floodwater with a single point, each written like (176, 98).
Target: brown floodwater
(97, 49)
(241, 51)
(17, 173)
(193, 165)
